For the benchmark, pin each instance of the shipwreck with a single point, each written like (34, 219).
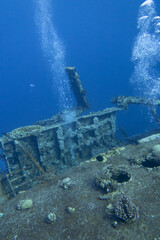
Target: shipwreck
(29, 153)
(55, 144)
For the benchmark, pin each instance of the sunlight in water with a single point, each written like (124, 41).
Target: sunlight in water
(146, 52)
(53, 50)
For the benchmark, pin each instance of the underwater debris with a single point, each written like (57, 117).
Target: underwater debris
(76, 86)
(126, 210)
(123, 101)
(70, 209)
(51, 149)
(45, 146)
(51, 218)
(24, 204)
(66, 183)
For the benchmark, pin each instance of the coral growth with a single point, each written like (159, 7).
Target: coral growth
(126, 210)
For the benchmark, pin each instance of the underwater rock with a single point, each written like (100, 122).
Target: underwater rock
(70, 209)
(126, 210)
(67, 183)
(24, 204)
(51, 218)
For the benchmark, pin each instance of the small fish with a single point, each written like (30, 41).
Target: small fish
(32, 85)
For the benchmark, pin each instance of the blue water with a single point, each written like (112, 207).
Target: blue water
(97, 37)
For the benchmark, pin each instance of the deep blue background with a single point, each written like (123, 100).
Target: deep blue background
(98, 36)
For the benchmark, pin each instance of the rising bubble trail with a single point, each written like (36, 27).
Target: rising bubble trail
(53, 50)
(146, 52)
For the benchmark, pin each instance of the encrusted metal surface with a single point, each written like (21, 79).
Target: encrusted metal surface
(32, 150)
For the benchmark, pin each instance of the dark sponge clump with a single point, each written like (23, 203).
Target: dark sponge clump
(126, 210)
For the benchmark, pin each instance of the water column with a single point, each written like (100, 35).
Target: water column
(53, 50)
(146, 52)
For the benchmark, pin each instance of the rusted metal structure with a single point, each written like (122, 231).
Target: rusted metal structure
(54, 144)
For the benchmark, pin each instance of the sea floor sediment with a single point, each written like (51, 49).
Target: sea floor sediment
(73, 206)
